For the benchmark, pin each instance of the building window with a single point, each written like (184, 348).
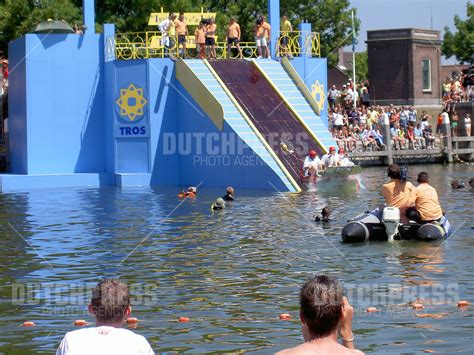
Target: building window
(426, 68)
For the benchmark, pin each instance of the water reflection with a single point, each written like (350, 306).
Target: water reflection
(232, 272)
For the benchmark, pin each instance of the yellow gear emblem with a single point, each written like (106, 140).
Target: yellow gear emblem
(131, 102)
(319, 95)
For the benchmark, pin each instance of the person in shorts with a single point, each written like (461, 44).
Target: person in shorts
(233, 37)
(182, 31)
(200, 40)
(261, 38)
(286, 28)
(211, 38)
(110, 305)
(168, 32)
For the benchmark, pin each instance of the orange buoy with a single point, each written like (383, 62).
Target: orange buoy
(372, 309)
(181, 195)
(285, 316)
(417, 306)
(463, 303)
(183, 319)
(29, 324)
(132, 320)
(80, 322)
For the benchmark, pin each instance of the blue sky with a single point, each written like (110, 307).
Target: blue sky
(385, 14)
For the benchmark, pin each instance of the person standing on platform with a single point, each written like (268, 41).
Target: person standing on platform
(286, 28)
(200, 40)
(268, 35)
(211, 38)
(168, 34)
(233, 36)
(182, 30)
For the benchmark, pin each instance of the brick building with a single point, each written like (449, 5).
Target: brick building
(404, 66)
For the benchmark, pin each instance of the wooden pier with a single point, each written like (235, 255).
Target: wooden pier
(450, 150)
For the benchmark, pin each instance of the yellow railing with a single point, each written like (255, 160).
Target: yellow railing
(142, 45)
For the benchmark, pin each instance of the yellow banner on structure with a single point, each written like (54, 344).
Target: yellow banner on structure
(155, 42)
(190, 18)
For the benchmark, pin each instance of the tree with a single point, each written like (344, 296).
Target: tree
(18, 17)
(461, 43)
(331, 18)
(362, 67)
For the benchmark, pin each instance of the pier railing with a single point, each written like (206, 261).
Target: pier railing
(450, 149)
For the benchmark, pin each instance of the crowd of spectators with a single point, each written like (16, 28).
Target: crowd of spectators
(458, 87)
(360, 127)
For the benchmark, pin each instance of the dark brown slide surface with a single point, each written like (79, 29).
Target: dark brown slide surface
(268, 112)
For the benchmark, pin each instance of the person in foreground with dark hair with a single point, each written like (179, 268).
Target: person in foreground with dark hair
(110, 304)
(324, 312)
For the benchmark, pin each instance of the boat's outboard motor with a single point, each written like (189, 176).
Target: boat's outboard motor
(430, 231)
(391, 220)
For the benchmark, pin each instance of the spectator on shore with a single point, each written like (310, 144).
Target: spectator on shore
(428, 136)
(454, 124)
(467, 124)
(168, 34)
(324, 313)
(286, 29)
(333, 94)
(420, 140)
(110, 305)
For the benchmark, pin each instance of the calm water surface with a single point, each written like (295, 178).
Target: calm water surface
(232, 272)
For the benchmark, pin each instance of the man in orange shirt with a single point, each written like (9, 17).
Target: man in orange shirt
(233, 37)
(398, 192)
(211, 38)
(426, 202)
(182, 31)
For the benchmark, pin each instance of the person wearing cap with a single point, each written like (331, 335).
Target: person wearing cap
(229, 196)
(218, 205)
(342, 159)
(311, 164)
(330, 159)
(191, 192)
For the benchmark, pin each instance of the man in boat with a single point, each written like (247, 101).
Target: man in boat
(398, 192)
(330, 159)
(427, 208)
(312, 164)
(342, 159)
(325, 313)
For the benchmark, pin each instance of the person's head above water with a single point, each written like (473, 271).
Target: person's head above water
(325, 212)
(471, 183)
(192, 189)
(321, 300)
(219, 204)
(230, 190)
(455, 184)
(312, 153)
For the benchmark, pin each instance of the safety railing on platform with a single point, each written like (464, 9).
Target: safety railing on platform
(151, 44)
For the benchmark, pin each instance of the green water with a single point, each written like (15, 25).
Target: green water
(232, 272)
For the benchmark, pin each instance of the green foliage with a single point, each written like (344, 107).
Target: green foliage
(362, 67)
(461, 43)
(331, 18)
(18, 17)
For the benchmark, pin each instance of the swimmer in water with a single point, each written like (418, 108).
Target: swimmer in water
(471, 183)
(218, 205)
(325, 215)
(455, 184)
(229, 195)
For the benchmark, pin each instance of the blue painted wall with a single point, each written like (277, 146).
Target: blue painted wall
(64, 104)
(312, 69)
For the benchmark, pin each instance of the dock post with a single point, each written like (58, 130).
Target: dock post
(447, 143)
(388, 141)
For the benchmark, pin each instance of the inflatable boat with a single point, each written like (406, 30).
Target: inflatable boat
(384, 225)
